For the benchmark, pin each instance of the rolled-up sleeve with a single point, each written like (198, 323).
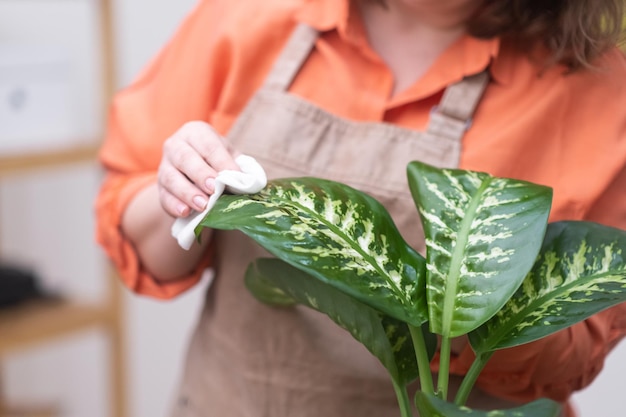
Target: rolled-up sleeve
(181, 84)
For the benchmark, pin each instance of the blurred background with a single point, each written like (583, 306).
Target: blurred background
(82, 346)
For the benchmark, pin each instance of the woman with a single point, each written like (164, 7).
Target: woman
(352, 91)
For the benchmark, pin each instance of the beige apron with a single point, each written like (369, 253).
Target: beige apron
(250, 360)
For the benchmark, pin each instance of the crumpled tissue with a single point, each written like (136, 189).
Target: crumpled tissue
(251, 179)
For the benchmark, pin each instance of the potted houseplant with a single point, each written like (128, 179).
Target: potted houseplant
(494, 270)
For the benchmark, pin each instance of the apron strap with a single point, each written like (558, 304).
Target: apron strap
(450, 119)
(453, 116)
(291, 58)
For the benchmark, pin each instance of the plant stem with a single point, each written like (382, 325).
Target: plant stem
(423, 363)
(403, 400)
(470, 378)
(444, 368)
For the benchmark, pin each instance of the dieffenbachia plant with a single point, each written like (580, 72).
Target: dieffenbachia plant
(494, 270)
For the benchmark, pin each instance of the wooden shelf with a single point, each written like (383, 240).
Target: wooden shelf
(29, 413)
(40, 321)
(11, 411)
(50, 159)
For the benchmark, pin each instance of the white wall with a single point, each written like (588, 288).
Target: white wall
(605, 396)
(143, 26)
(73, 371)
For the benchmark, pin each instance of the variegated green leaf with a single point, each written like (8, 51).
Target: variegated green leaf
(338, 234)
(386, 338)
(432, 406)
(482, 236)
(580, 271)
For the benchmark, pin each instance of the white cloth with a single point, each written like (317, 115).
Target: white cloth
(251, 179)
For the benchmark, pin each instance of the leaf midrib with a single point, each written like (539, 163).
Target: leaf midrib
(453, 278)
(345, 237)
(539, 301)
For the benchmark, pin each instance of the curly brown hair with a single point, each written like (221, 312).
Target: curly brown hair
(574, 31)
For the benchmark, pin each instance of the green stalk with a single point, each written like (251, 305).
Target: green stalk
(423, 363)
(403, 399)
(470, 378)
(444, 368)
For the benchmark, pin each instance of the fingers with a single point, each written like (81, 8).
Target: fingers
(192, 157)
(178, 195)
(216, 153)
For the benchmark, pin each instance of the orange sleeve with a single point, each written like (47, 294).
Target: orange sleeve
(182, 84)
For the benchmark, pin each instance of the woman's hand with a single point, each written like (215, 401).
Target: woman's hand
(191, 159)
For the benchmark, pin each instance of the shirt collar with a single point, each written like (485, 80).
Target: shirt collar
(474, 54)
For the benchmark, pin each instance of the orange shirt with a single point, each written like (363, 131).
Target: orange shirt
(565, 131)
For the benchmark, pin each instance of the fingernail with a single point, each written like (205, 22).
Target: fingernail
(210, 184)
(200, 202)
(182, 209)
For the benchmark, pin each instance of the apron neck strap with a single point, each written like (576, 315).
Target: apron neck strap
(291, 58)
(451, 118)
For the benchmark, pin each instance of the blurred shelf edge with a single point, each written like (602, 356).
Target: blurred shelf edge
(28, 411)
(13, 164)
(36, 322)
